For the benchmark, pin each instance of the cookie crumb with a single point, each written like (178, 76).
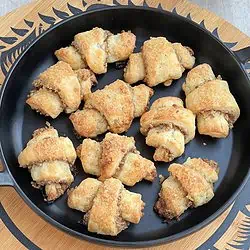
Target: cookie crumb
(120, 65)
(162, 178)
(47, 124)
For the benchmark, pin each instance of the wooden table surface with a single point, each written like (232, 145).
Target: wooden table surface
(22, 228)
(235, 12)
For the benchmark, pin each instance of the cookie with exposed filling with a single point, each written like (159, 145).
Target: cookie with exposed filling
(116, 156)
(168, 126)
(159, 62)
(211, 100)
(109, 207)
(189, 185)
(49, 158)
(112, 108)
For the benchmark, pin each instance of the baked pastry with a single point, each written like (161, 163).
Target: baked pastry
(159, 62)
(116, 156)
(112, 108)
(60, 89)
(189, 185)
(97, 47)
(92, 47)
(168, 126)
(120, 46)
(109, 207)
(211, 100)
(135, 70)
(71, 56)
(87, 80)
(49, 159)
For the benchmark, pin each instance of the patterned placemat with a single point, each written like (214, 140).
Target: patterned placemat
(20, 227)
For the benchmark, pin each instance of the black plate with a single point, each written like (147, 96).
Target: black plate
(18, 122)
